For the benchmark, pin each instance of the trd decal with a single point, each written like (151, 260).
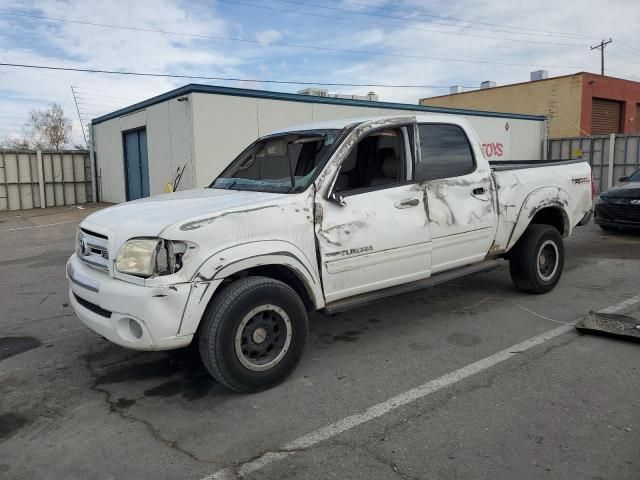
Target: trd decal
(578, 181)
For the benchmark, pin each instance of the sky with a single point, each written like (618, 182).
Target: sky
(430, 45)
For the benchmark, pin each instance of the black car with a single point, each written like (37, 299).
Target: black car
(620, 206)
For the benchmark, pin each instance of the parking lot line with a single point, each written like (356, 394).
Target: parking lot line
(402, 399)
(38, 226)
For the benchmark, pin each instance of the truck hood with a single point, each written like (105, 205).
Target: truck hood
(148, 217)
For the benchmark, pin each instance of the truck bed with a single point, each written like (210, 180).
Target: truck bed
(524, 187)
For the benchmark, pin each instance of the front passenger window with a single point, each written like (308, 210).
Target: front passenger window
(377, 160)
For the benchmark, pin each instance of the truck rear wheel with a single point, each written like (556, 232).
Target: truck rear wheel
(537, 260)
(253, 334)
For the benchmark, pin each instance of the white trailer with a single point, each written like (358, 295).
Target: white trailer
(202, 128)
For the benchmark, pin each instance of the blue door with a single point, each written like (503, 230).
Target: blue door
(136, 164)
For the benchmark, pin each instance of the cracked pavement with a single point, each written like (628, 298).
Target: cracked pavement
(74, 406)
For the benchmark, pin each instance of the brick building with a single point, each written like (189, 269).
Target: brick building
(576, 105)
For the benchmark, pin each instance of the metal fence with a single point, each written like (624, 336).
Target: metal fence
(610, 156)
(40, 178)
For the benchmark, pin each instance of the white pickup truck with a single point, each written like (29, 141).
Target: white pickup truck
(326, 217)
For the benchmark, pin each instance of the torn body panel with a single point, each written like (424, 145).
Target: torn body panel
(523, 193)
(378, 237)
(463, 223)
(370, 244)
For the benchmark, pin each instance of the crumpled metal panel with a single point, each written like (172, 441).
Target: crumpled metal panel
(610, 324)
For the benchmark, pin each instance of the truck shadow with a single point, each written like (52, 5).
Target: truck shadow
(131, 377)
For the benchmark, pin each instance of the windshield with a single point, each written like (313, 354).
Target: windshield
(280, 163)
(634, 177)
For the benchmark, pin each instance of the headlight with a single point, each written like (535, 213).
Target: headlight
(147, 257)
(79, 251)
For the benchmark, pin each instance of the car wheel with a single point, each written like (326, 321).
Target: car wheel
(253, 333)
(607, 228)
(537, 260)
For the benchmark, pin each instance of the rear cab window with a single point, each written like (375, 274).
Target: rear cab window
(445, 151)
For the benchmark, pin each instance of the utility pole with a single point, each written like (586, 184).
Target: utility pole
(600, 47)
(75, 100)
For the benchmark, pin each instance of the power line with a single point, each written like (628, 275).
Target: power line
(333, 17)
(226, 79)
(453, 19)
(633, 51)
(283, 44)
(411, 17)
(626, 59)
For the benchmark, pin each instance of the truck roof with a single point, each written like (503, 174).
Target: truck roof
(346, 122)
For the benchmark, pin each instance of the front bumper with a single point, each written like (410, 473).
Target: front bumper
(133, 316)
(617, 215)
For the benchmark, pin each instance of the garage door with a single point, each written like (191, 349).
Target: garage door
(605, 116)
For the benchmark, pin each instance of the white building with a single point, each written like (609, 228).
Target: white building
(202, 128)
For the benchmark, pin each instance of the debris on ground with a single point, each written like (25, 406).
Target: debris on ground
(610, 324)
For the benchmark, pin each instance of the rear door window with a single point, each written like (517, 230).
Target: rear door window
(445, 152)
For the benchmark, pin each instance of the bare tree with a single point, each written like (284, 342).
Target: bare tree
(15, 143)
(48, 128)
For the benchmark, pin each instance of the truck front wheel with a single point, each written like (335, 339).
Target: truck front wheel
(253, 333)
(537, 260)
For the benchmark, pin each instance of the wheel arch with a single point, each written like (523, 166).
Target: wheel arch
(546, 206)
(552, 215)
(283, 272)
(274, 259)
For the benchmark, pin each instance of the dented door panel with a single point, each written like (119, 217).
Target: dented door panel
(463, 223)
(461, 207)
(373, 241)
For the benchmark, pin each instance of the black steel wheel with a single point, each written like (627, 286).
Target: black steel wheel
(263, 337)
(537, 260)
(253, 333)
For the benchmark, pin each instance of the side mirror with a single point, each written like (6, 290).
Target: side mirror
(338, 199)
(623, 179)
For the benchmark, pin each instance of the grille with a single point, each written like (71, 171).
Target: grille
(94, 249)
(625, 213)
(94, 234)
(93, 307)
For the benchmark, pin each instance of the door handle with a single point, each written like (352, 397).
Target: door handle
(479, 191)
(409, 202)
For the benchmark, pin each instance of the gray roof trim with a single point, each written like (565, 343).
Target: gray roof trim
(296, 97)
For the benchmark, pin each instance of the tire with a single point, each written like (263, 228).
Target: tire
(539, 243)
(253, 333)
(607, 228)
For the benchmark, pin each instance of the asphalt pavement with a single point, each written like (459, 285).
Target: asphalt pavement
(444, 383)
